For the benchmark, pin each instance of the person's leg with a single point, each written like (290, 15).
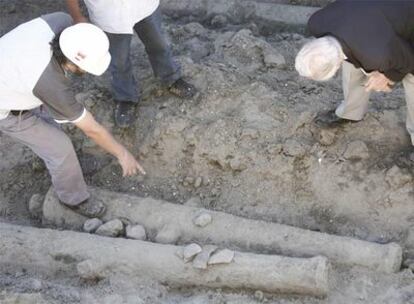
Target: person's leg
(159, 52)
(56, 150)
(356, 99)
(408, 83)
(150, 32)
(124, 86)
(125, 89)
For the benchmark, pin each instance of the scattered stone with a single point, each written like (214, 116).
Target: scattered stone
(91, 225)
(224, 256)
(356, 150)
(219, 21)
(237, 164)
(112, 228)
(198, 182)
(273, 59)
(259, 295)
(190, 251)
(36, 205)
(202, 219)
(326, 137)
(88, 270)
(397, 178)
(136, 232)
(201, 260)
(294, 148)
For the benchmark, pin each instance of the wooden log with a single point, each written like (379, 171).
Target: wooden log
(173, 223)
(71, 254)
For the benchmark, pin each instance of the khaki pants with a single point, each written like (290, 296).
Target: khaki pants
(56, 150)
(356, 99)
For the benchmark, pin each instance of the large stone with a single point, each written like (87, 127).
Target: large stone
(201, 260)
(136, 232)
(112, 228)
(91, 225)
(202, 219)
(224, 256)
(190, 251)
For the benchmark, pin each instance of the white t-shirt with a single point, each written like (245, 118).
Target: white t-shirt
(119, 16)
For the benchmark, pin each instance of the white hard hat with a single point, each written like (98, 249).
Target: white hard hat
(87, 46)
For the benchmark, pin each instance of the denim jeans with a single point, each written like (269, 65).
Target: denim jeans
(124, 85)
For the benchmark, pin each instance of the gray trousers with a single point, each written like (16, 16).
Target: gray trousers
(124, 85)
(356, 99)
(55, 148)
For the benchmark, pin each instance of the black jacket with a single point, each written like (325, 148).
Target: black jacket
(375, 35)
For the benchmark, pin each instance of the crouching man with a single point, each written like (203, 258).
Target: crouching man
(35, 59)
(373, 42)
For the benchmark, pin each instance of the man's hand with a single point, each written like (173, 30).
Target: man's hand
(105, 140)
(378, 82)
(129, 164)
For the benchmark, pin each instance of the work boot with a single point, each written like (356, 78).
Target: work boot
(89, 208)
(182, 89)
(125, 114)
(328, 120)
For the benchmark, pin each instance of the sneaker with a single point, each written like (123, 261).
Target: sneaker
(125, 114)
(182, 89)
(329, 119)
(89, 208)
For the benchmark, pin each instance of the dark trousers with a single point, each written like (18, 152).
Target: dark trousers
(124, 85)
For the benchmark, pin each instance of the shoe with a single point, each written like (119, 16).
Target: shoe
(89, 208)
(125, 114)
(182, 89)
(329, 119)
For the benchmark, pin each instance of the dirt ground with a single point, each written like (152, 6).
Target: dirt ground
(245, 145)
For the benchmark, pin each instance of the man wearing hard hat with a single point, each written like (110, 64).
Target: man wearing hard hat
(35, 59)
(119, 19)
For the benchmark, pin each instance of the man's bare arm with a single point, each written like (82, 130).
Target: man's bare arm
(75, 11)
(106, 141)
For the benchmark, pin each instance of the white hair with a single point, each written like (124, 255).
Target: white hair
(320, 58)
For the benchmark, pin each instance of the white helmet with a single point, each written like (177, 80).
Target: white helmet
(87, 46)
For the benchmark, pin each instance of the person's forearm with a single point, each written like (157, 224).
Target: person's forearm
(106, 141)
(75, 10)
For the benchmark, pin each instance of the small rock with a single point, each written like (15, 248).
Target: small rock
(136, 232)
(36, 206)
(224, 256)
(396, 178)
(356, 150)
(294, 148)
(219, 21)
(91, 225)
(237, 165)
(201, 260)
(272, 59)
(198, 182)
(190, 251)
(203, 219)
(89, 270)
(259, 295)
(326, 137)
(112, 228)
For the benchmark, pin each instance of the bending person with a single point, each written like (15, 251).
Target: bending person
(373, 42)
(35, 59)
